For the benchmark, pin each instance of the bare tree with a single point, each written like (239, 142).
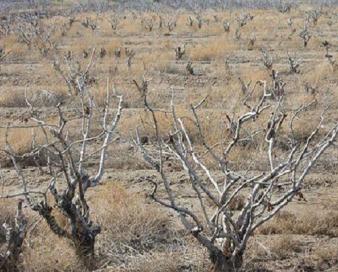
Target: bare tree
(76, 77)
(267, 59)
(103, 52)
(226, 26)
(180, 52)
(190, 21)
(171, 23)
(190, 68)
(312, 16)
(36, 34)
(238, 34)
(65, 164)
(278, 85)
(293, 64)
(305, 35)
(130, 54)
(327, 47)
(117, 52)
(148, 24)
(311, 89)
(284, 7)
(113, 20)
(89, 23)
(221, 229)
(292, 29)
(329, 56)
(199, 20)
(244, 19)
(245, 87)
(251, 42)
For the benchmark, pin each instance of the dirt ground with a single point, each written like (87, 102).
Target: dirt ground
(304, 237)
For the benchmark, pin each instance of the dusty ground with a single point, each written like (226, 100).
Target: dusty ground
(218, 59)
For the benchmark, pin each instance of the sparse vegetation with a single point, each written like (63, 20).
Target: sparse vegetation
(196, 68)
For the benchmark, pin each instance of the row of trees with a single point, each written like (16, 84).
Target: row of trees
(223, 230)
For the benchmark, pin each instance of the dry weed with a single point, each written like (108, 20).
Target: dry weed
(308, 223)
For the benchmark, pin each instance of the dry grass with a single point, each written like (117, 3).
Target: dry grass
(7, 212)
(47, 252)
(38, 98)
(187, 260)
(130, 226)
(132, 231)
(12, 98)
(137, 236)
(325, 253)
(215, 48)
(276, 247)
(309, 223)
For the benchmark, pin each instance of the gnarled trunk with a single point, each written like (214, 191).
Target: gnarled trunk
(223, 263)
(85, 251)
(82, 232)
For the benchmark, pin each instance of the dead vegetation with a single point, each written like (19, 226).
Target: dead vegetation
(198, 72)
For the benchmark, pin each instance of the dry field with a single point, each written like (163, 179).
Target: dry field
(218, 64)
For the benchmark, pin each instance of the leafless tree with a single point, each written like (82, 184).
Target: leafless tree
(113, 21)
(71, 21)
(117, 52)
(34, 33)
(148, 24)
(160, 22)
(332, 62)
(85, 54)
(284, 7)
(245, 87)
(252, 41)
(103, 52)
(292, 29)
(65, 163)
(327, 47)
(180, 52)
(221, 229)
(226, 26)
(293, 65)
(290, 22)
(228, 70)
(312, 16)
(89, 23)
(190, 21)
(278, 86)
(238, 34)
(199, 21)
(243, 19)
(74, 75)
(190, 68)
(171, 23)
(267, 59)
(311, 89)
(328, 56)
(305, 35)
(130, 56)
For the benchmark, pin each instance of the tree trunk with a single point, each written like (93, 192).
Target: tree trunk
(222, 263)
(84, 240)
(85, 252)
